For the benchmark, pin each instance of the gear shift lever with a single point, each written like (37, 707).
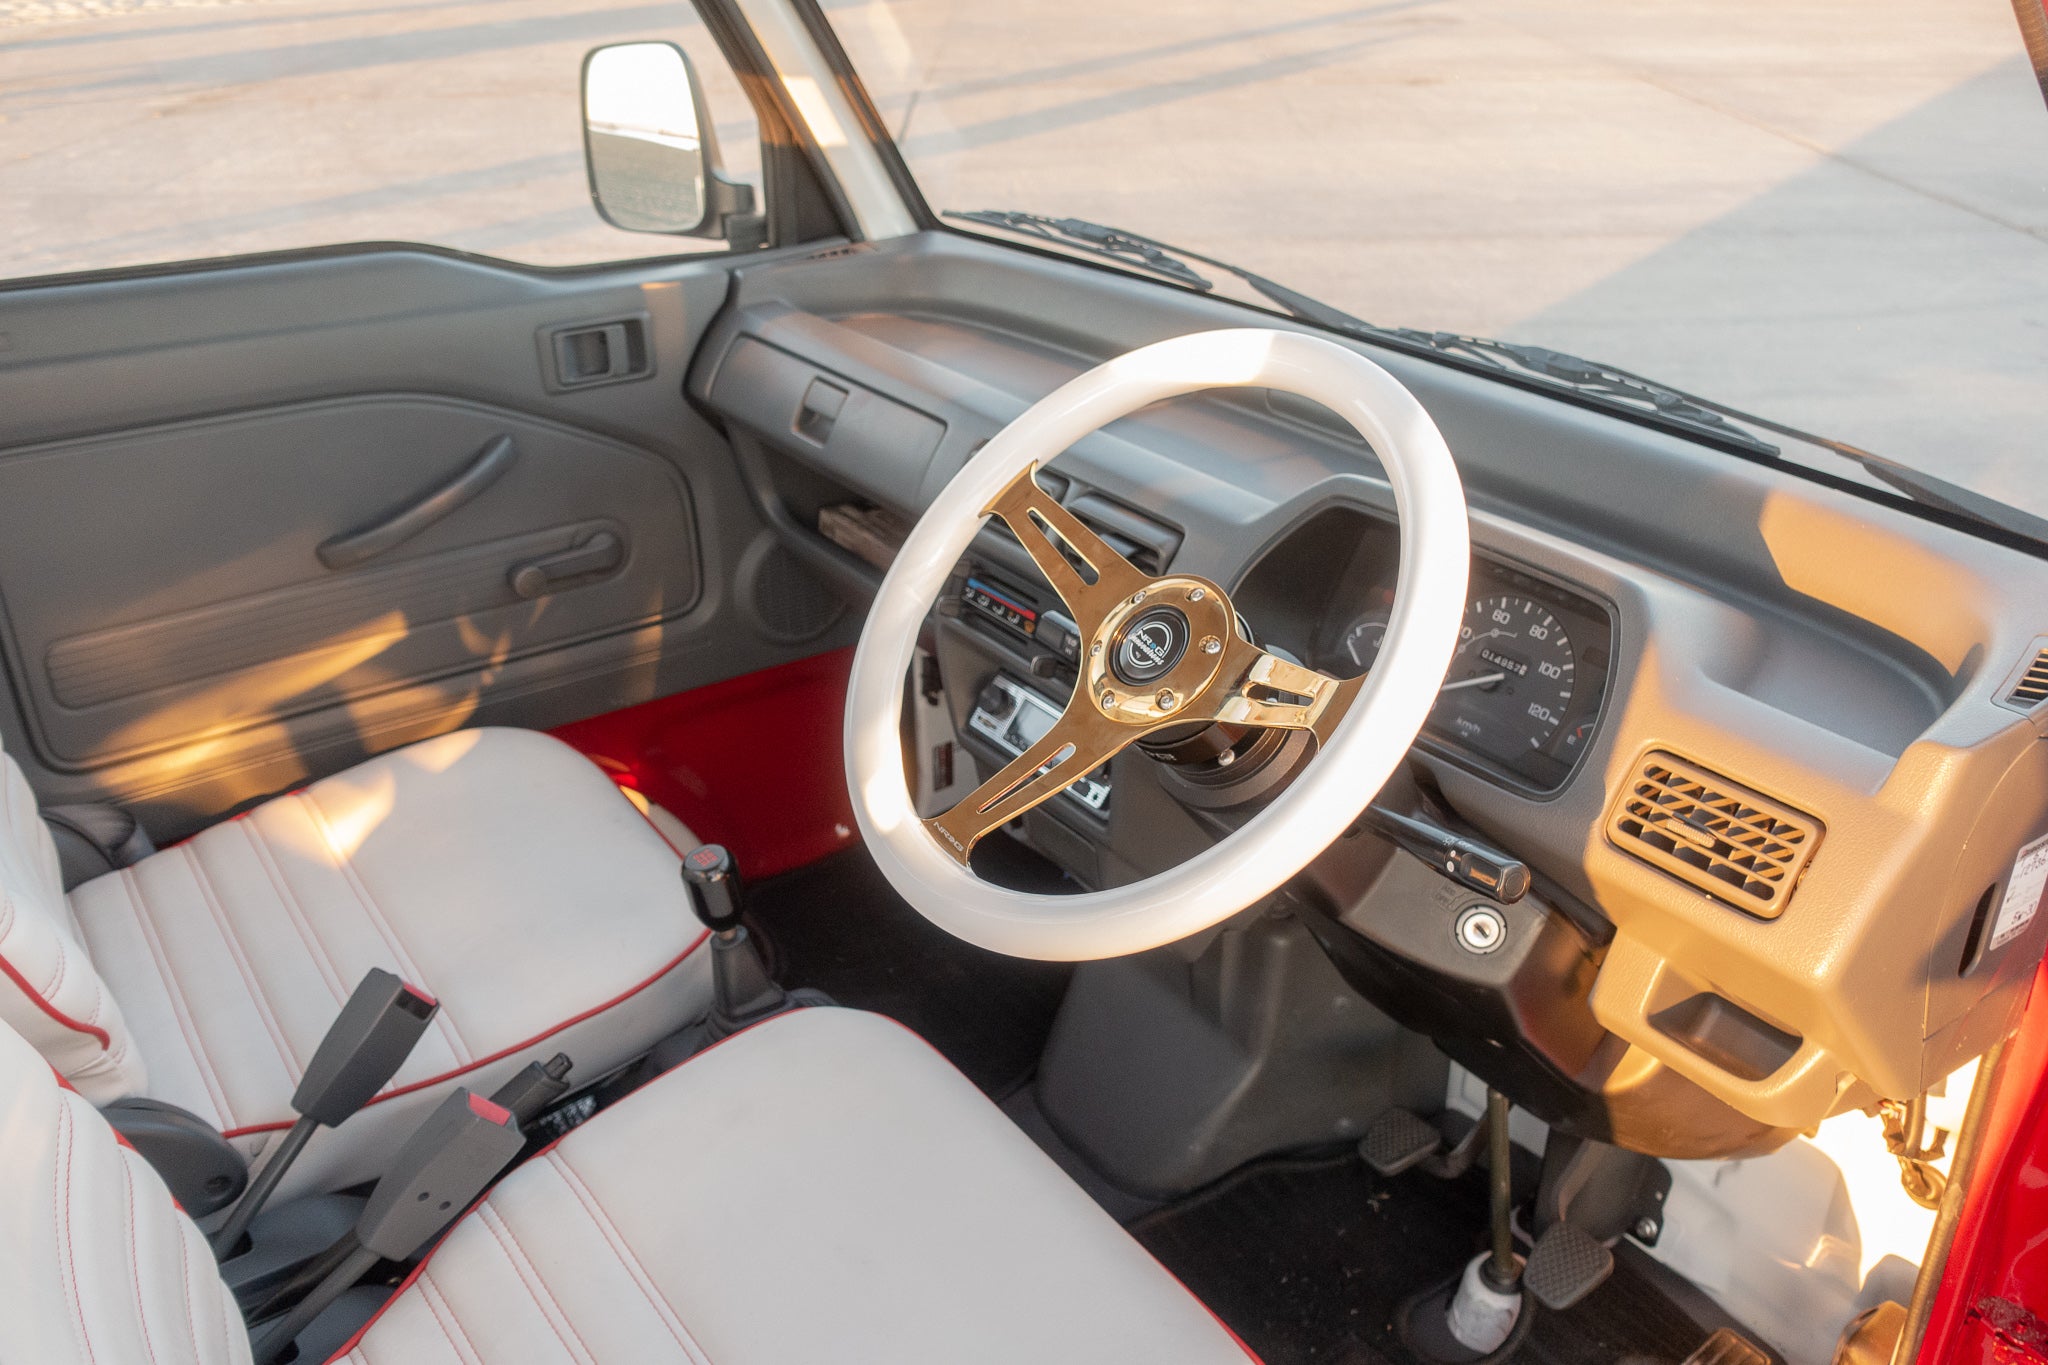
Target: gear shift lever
(743, 991)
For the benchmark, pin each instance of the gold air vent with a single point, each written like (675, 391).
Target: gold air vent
(2031, 687)
(1730, 842)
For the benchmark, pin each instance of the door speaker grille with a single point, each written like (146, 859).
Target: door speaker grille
(785, 599)
(1737, 846)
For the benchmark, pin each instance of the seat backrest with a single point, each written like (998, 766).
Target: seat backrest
(98, 1261)
(50, 993)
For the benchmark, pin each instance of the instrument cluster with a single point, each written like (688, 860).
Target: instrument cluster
(1523, 694)
(1524, 688)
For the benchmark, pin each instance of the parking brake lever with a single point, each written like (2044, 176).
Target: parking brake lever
(1470, 863)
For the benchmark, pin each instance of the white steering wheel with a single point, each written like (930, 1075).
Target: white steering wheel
(1157, 653)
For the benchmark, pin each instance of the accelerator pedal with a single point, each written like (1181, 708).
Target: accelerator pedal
(1729, 1347)
(1397, 1141)
(1565, 1265)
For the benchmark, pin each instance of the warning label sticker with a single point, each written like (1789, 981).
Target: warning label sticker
(2022, 894)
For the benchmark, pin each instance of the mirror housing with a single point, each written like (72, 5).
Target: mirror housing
(651, 151)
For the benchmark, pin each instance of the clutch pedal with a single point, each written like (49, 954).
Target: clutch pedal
(1397, 1141)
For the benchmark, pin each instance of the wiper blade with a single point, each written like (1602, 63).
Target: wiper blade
(1168, 260)
(1601, 380)
(1164, 258)
(1142, 252)
(1926, 489)
(1607, 384)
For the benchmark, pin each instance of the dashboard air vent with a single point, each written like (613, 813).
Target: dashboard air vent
(1148, 544)
(1737, 846)
(2032, 687)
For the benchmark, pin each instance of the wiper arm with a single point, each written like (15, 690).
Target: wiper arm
(1926, 489)
(1164, 258)
(1127, 247)
(1618, 387)
(1593, 377)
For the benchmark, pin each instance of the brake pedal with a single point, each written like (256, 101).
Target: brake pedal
(1397, 1141)
(1565, 1265)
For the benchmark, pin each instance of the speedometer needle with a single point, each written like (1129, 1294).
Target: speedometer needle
(1482, 680)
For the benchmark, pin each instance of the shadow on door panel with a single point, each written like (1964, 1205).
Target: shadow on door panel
(173, 584)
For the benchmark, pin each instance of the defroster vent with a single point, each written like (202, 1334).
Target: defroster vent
(1737, 846)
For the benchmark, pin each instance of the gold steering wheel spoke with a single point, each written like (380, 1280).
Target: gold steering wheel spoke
(1079, 742)
(1259, 688)
(1041, 525)
(1156, 653)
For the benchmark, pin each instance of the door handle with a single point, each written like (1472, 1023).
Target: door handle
(539, 577)
(351, 548)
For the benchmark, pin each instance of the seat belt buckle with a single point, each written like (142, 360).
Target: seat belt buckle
(363, 1048)
(441, 1169)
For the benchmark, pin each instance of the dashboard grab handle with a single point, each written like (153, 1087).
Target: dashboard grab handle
(1773, 1076)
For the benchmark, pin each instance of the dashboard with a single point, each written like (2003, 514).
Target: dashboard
(1762, 742)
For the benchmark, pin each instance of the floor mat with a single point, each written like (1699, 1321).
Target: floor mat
(1308, 1259)
(838, 926)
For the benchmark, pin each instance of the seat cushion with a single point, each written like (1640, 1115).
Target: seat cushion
(823, 1187)
(498, 870)
(99, 1264)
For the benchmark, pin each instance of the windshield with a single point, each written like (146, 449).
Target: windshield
(1827, 212)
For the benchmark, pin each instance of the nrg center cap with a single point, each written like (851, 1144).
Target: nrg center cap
(1149, 645)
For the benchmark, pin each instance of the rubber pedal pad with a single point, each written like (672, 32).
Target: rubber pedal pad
(1398, 1140)
(1565, 1265)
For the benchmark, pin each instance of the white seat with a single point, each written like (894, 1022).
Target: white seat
(498, 870)
(820, 1188)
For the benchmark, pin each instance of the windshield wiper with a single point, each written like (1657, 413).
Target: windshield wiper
(1581, 376)
(1605, 384)
(1142, 252)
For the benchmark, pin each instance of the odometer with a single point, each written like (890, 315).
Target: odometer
(1510, 682)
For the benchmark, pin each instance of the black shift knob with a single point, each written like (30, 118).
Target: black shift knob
(710, 871)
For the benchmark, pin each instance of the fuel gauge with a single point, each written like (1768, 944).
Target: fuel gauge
(1360, 643)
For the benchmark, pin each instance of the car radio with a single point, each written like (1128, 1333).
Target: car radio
(1012, 717)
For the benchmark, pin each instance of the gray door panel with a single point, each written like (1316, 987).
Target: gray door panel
(175, 450)
(193, 601)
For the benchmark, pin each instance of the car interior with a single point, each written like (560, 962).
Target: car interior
(830, 853)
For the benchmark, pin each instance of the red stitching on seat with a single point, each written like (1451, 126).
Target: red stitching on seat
(495, 1224)
(60, 1212)
(349, 1346)
(185, 1269)
(35, 996)
(503, 1053)
(216, 911)
(548, 1151)
(385, 929)
(135, 1261)
(131, 886)
(446, 1316)
(315, 949)
(629, 1260)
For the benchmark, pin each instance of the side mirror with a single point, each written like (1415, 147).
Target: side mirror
(651, 151)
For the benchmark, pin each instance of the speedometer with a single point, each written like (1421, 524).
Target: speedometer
(1510, 683)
